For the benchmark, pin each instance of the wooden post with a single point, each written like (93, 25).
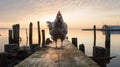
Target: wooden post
(14, 31)
(39, 35)
(10, 37)
(43, 38)
(94, 35)
(94, 43)
(26, 37)
(107, 43)
(16, 34)
(30, 35)
(82, 48)
(99, 52)
(74, 42)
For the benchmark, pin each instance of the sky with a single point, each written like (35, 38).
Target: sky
(76, 13)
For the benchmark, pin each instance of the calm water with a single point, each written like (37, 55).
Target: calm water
(85, 37)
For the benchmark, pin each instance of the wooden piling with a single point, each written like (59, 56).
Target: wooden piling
(107, 44)
(74, 42)
(82, 48)
(30, 35)
(39, 35)
(26, 37)
(13, 38)
(10, 37)
(98, 53)
(94, 35)
(43, 38)
(14, 31)
(16, 34)
(94, 43)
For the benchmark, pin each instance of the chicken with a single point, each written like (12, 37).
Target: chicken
(58, 29)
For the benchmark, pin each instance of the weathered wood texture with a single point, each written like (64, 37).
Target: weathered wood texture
(39, 35)
(16, 35)
(107, 43)
(43, 38)
(69, 56)
(10, 37)
(82, 48)
(98, 53)
(94, 42)
(94, 27)
(30, 35)
(74, 41)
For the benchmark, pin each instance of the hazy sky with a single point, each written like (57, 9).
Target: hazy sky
(76, 13)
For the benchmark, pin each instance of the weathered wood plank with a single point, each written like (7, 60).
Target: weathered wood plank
(69, 56)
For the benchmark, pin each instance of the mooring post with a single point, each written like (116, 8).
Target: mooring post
(94, 43)
(16, 34)
(39, 35)
(13, 38)
(43, 38)
(26, 37)
(107, 43)
(30, 35)
(94, 35)
(74, 42)
(10, 37)
(82, 48)
(98, 53)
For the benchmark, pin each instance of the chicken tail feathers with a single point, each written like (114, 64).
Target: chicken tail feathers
(49, 25)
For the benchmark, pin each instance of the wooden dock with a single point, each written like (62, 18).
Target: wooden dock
(69, 56)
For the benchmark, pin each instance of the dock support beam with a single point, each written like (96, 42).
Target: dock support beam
(10, 37)
(98, 53)
(39, 35)
(82, 48)
(16, 29)
(74, 42)
(43, 38)
(94, 35)
(107, 43)
(94, 43)
(30, 35)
